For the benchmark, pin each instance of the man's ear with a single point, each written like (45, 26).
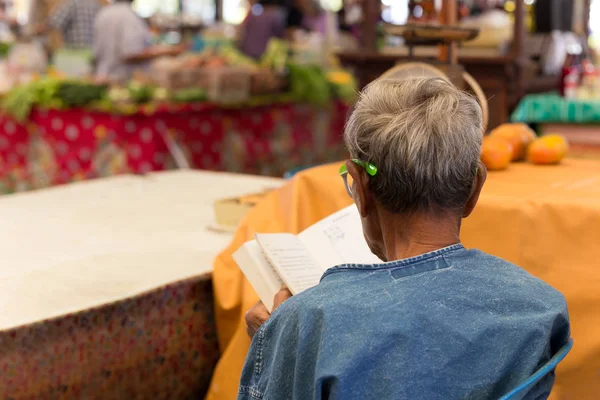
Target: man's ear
(480, 178)
(360, 190)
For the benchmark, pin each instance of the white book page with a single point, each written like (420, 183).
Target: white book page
(295, 265)
(338, 239)
(259, 272)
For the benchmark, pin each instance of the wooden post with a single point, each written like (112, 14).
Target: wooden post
(371, 14)
(586, 18)
(448, 17)
(518, 50)
(218, 10)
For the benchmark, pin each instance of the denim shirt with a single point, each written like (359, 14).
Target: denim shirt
(450, 324)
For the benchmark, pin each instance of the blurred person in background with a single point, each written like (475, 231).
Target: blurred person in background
(314, 16)
(6, 24)
(123, 43)
(39, 12)
(307, 15)
(350, 17)
(75, 20)
(38, 27)
(266, 19)
(294, 17)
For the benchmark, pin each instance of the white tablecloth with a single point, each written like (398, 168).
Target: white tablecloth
(69, 248)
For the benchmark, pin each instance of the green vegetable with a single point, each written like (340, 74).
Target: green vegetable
(5, 49)
(309, 84)
(20, 100)
(161, 94)
(189, 95)
(104, 105)
(346, 92)
(119, 95)
(79, 94)
(140, 94)
(276, 55)
(235, 57)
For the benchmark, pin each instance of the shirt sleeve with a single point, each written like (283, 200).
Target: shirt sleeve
(135, 38)
(282, 361)
(269, 367)
(63, 15)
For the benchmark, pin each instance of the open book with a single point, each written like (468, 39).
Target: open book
(299, 261)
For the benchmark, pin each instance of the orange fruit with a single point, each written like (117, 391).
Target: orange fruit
(496, 153)
(519, 135)
(549, 149)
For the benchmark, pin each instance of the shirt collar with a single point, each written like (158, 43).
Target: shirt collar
(406, 262)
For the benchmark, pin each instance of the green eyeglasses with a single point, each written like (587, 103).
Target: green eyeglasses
(370, 168)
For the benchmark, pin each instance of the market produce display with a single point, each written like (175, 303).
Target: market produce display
(223, 76)
(5, 49)
(517, 142)
(343, 85)
(309, 83)
(44, 93)
(496, 153)
(79, 94)
(518, 135)
(140, 94)
(190, 95)
(548, 150)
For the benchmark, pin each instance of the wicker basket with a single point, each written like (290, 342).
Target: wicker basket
(194, 78)
(175, 79)
(167, 79)
(267, 82)
(222, 85)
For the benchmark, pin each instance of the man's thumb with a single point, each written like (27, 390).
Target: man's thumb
(280, 297)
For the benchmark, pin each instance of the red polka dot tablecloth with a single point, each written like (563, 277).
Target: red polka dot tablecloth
(60, 146)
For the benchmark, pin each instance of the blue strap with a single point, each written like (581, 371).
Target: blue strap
(524, 386)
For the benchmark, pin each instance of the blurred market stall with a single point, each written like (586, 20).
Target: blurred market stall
(572, 110)
(215, 109)
(578, 120)
(514, 55)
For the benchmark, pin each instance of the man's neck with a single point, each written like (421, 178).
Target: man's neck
(421, 233)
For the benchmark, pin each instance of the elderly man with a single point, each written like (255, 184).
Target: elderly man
(435, 320)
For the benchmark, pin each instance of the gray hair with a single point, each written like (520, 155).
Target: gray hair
(424, 135)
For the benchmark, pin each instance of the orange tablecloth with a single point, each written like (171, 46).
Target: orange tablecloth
(545, 219)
